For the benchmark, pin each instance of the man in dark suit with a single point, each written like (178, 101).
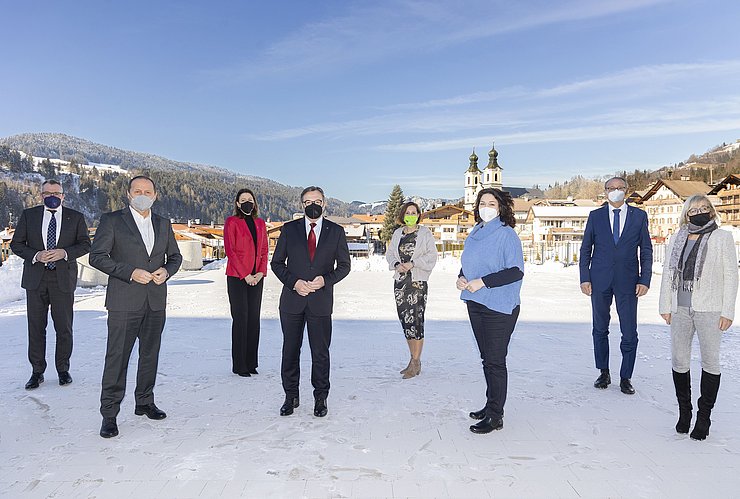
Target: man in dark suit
(311, 256)
(138, 251)
(616, 235)
(50, 238)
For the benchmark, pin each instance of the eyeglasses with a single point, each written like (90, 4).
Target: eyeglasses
(700, 209)
(309, 202)
(612, 189)
(55, 194)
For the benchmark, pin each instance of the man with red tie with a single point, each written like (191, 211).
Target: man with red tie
(50, 238)
(310, 257)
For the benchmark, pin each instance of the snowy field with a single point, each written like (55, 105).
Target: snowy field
(383, 436)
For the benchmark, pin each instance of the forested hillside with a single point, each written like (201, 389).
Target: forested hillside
(186, 190)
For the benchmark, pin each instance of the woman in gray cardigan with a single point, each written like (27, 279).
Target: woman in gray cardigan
(411, 254)
(697, 293)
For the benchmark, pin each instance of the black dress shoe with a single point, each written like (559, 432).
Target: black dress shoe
(64, 378)
(287, 408)
(603, 380)
(244, 375)
(150, 410)
(319, 408)
(626, 386)
(109, 428)
(478, 414)
(34, 381)
(253, 371)
(487, 425)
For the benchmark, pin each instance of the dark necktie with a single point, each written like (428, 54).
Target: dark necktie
(51, 238)
(312, 242)
(615, 228)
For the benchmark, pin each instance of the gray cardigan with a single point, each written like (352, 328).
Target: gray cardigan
(424, 256)
(717, 287)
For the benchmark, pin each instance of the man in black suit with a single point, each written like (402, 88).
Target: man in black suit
(311, 256)
(138, 251)
(50, 238)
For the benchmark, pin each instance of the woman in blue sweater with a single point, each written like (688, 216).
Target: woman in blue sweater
(490, 281)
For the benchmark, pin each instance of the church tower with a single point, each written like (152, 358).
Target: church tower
(472, 181)
(492, 175)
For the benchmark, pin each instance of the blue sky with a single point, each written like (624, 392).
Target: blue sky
(358, 96)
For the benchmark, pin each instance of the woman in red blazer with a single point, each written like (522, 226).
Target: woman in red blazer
(245, 241)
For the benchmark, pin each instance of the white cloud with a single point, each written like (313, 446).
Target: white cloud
(378, 30)
(613, 103)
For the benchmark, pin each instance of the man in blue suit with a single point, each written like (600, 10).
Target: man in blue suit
(616, 263)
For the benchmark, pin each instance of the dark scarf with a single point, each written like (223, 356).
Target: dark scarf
(689, 272)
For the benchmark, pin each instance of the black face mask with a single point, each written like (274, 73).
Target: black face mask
(701, 219)
(313, 211)
(246, 207)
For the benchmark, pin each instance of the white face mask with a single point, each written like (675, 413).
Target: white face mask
(141, 202)
(487, 214)
(616, 196)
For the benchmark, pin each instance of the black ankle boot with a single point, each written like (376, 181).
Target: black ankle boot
(709, 389)
(487, 425)
(478, 414)
(682, 383)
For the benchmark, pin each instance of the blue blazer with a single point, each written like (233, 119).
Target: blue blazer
(605, 264)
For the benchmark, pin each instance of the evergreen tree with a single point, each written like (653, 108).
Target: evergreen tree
(395, 200)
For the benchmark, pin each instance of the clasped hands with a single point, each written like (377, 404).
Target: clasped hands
(252, 280)
(402, 268)
(141, 276)
(472, 286)
(48, 256)
(305, 288)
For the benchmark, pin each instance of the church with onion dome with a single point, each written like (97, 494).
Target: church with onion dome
(476, 179)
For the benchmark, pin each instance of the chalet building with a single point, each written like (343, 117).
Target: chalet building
(727, 192)
(521, 211)
(449, 223)
(199, 243)
(664, 201)
(373, 224)
(6, 235)
(555, 224)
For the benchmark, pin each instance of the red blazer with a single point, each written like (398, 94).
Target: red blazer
(240, 247)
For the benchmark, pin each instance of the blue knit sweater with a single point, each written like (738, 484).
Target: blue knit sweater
(491, 248)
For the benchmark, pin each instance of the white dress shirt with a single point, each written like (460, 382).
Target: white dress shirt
(47, 220)
(146, 229)
(316, 230)
(45, 229)
(622, 217)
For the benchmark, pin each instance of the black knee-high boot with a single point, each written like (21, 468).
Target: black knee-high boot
(709, 389)
(682, 382)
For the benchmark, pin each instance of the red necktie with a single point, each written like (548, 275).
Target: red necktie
(312, 242)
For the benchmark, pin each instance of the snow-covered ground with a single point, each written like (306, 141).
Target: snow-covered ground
(384, 436)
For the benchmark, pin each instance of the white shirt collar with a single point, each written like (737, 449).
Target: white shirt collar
(317, 229)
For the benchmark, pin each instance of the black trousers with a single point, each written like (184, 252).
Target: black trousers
(38, 302)
(245, 302)
(319, 339)
(492, 332)
(124, 328)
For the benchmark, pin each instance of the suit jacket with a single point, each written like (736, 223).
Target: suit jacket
(28, 240)
(290, 262)
(605, 264)
(118, 250)
(239, 247)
